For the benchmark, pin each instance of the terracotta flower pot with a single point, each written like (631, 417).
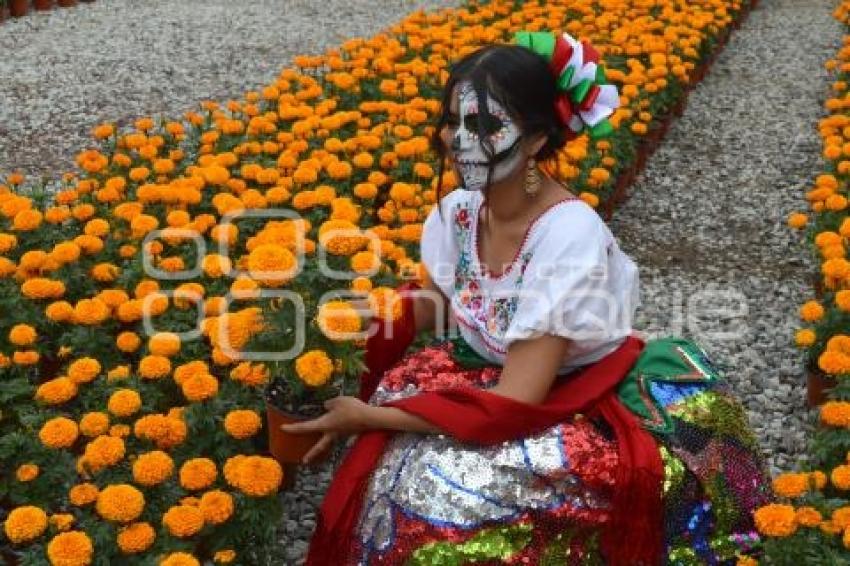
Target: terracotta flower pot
(818, 385)
(18, 8)
(287, 448)
(42, 4)
(67, 3)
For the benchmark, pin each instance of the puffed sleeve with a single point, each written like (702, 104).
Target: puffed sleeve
(578, 285)
(439, 246)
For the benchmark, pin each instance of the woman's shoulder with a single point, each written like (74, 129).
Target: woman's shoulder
(455, 206)
(572, 222)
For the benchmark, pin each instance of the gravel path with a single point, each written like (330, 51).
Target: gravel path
(706, 220)
(69, 69)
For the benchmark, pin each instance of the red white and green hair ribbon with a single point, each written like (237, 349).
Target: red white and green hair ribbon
(586, 100)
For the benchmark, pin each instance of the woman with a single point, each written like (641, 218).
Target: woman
(546, 432)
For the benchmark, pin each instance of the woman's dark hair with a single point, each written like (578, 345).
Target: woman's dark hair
(521, 81)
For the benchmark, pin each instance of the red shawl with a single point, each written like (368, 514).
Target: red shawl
(476, 416)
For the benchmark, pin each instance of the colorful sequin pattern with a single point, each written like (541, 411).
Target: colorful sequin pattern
(545, 499)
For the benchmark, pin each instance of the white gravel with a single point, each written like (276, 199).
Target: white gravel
(64, 71)
(706, 221)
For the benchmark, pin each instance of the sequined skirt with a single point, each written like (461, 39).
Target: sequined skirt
(545, 499)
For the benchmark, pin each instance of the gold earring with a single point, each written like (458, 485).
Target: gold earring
(532, 178)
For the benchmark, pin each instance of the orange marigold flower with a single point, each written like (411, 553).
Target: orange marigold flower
(250, 375)
(776, 520)
(164, 431)
(164, 344)
(72, 548)
(842, 300)
(94, 424)
(60, 311)
(83, 494)
(365, 263)
(183, 372)
(841, 517)
(22, 335)
(25, 524)
(216, 265)
(341, 237)
(834, 363)
(136, 538)
(83, 370)
(180, 559)
(103, 452)
(152, 468)
(119, 430)
(808, 517)
(811, 311)
(27, 220)
(103, 131)
(62, 521)
(197, 473)
(25, 357)
(183, 520)
(154, 367)
(840, 477)
(124, 402)
(242, 423)
(128, 342)
(199, 387)
(224, 556)
(314, 368)
(58, 432)
(255, 476)
(121, 503)
(805, 337)
(27, 472)
(835, 413)
(272, 265)
(41, 288)
(56, 391)
(90, 312)
(791, 485)
(338, 320)
(216, 506)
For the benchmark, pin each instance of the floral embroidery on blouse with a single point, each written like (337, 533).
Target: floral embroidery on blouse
(492, 315)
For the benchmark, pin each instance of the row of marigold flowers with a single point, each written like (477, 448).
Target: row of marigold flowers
(811, 522)
(123, 443)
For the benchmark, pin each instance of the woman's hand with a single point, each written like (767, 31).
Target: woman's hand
(321, 448)
(345, 415)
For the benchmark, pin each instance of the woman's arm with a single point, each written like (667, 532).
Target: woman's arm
(530, 369)
(430, 308)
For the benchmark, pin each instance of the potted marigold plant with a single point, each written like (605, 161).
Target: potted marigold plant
(329, 365)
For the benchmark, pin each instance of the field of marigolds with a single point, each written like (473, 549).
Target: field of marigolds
(148, 302)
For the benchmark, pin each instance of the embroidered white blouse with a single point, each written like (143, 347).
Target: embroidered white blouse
(568, 278)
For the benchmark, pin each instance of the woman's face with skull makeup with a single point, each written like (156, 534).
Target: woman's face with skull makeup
(462, 140)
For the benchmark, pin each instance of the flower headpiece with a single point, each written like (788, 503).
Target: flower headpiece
(585, 100)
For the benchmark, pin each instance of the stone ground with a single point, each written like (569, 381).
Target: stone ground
(67, 70)
(705, 222)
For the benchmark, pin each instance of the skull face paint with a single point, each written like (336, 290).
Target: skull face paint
(469, 157)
